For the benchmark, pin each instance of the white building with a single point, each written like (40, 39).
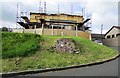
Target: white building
(113, 32)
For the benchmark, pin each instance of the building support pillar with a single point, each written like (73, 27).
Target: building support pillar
(76, 31)
(42, 28)
(52, 30)
(62, 30)
(35, 29)
(23, 30)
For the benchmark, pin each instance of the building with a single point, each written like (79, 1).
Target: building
(97, 36)
(54, 24)
(65, 21)
(112, 38)
(113, 32)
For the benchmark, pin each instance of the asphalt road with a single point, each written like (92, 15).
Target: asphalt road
(105, 69)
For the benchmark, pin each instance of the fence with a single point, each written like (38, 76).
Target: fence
(58, 32)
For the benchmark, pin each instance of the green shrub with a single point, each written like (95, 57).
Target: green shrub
(19, 44)
(4, 29)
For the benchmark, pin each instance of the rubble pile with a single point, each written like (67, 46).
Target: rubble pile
(65, 45)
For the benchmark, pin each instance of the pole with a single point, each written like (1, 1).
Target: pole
(62, 30)
(42, 28)
(52, 30)
(71, 8)
(35, 29)
(58, 10)
(76, 31)
(101, 31)
(17, 15)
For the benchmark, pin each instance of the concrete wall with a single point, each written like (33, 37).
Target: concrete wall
(112, 41)
(65, 32)
(18, 30)
(58, 32)
(84, 34)
(38, 31)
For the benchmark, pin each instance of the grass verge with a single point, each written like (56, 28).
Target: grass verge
(46, 58)
(19, 44)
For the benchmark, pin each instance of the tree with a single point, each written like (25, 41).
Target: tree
(4, 29)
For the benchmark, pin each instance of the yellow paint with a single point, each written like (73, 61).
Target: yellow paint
(78, 19)
(34, 17)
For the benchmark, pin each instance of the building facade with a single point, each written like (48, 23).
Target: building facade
(113, 32)
(55, 24)
(112, 37)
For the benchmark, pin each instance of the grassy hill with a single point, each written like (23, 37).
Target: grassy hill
(29, 52)
(14, 44)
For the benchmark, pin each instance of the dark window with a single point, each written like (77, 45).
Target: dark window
(108, 36)
(113, 36)
(117, 35)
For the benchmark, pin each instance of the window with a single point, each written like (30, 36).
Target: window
(113, 36)
(117, 35)
(108, 36)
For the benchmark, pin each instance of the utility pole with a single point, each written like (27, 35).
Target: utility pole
(44, 6)
(40, 9)
(71, 8)
(101, 31)
(17, 15)
(58, 10)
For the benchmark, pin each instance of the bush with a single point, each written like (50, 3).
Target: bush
(5, 29)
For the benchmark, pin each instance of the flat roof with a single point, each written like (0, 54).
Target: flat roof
(55, 14)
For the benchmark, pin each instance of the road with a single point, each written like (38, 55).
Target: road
(106, 69)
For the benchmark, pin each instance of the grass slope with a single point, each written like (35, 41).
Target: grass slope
(14, 44)
(46, 58)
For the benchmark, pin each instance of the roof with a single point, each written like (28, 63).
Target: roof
(97, 35)
(118, 27)
(55, 14)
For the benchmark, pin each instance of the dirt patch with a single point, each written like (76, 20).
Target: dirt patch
(65, 45)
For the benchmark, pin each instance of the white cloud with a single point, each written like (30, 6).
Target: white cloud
(103, 12)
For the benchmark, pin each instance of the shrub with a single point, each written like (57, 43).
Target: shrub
(4, 29)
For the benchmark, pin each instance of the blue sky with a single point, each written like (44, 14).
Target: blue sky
(103, 11)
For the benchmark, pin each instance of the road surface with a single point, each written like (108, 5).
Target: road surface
(105, 69)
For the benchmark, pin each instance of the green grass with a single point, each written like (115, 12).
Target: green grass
(14, 44)
(46, 58)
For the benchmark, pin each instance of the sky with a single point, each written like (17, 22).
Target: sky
(103, 12)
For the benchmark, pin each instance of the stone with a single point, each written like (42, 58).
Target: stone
(65, 45)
